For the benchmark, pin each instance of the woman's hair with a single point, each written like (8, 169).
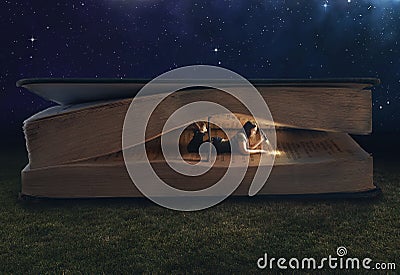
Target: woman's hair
(248, 126)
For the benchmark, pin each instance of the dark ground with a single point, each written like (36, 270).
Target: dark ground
(94, 236)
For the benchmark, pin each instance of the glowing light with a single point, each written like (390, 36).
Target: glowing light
(325, 5)
(275, 153)
(32, 39)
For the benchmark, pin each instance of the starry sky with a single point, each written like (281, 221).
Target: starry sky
(142, 39)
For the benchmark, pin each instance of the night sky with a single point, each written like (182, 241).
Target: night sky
(142, 39)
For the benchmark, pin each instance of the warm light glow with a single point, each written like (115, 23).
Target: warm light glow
(275, 153)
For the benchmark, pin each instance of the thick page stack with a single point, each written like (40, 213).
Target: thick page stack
(75, 149)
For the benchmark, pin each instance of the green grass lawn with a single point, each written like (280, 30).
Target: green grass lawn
(126, 235)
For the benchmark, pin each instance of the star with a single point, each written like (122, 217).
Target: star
(32, 39)
(216, 50)
(325, 5)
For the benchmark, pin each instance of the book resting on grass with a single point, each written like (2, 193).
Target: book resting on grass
(75, 148)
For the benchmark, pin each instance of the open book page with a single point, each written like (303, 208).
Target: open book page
(301, 147)
(297, 146)
(314, 146)
(293, 147)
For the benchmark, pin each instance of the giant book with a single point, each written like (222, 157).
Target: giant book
(75, 147)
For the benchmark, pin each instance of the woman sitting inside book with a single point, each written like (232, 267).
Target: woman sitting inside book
(240, 141)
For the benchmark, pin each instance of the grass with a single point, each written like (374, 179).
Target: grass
(125, 235)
